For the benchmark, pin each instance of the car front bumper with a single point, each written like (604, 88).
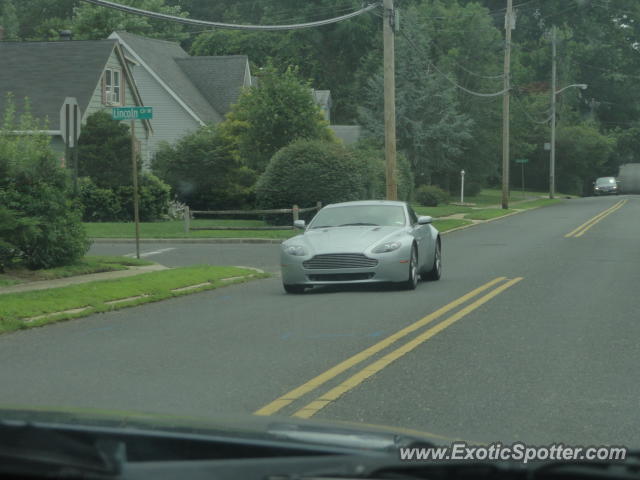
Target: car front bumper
(391, 267)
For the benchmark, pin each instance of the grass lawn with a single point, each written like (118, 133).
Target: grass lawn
(488, 213)
(542, 202)
(175, 229)
(157, 285)
(88, 264)
(450, 224)
(440, 210)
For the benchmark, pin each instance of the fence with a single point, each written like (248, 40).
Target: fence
(295, 211)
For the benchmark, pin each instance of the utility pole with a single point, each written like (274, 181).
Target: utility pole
(509, 24)
(552, 156)
(390, 99)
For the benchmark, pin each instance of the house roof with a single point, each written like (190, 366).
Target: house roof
(161, 58)
(48, 72)
(218, 78)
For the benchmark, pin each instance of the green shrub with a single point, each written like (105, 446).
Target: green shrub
(99, 204)
(40, 227)
(116, 204)
(104, 151)
(47, 230)
(431, 196)
(204, 171)
(376, 179)
(308, 171)
(472, 189)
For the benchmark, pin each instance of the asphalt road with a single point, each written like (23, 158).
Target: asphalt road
(546, 352)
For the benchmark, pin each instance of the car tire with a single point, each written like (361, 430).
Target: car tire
(436, 269)
(414, 276)
(293, 288)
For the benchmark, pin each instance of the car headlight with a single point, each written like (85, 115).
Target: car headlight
(297, 250)
(387, 247)
(597, 188)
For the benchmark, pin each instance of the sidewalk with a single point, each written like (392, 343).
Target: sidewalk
(92, 277)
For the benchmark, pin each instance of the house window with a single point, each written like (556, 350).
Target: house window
(112, 91)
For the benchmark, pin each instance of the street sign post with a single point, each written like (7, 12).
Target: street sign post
(522, 161)
(133, 114)
(70, 124)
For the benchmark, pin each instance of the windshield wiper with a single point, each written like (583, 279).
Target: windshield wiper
(26, 449)
(358, 224)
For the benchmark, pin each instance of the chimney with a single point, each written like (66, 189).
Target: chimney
(66, 34)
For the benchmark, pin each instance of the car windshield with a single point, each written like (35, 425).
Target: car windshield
(605, 181)
(379, 215)
(371, 211)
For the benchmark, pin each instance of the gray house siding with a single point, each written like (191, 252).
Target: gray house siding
(170, 120)
(96, 105)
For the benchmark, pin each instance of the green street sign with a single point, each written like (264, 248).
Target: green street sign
(132, 113)
(521, 160)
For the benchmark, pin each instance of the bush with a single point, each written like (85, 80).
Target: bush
(47, 230)
(103, 142)
(99, 204)
(116, 204)
(308, 171)
(40, 227)
(376, 180)
(204, 171)
(154, 197)
(472, 189)
(431, 196)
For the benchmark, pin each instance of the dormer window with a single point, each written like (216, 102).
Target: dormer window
(111, 92)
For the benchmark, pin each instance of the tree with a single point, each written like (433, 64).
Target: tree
(431, 130)
(582, 151)
(104, 151)
(269, 117)
(204, 171)
(92, 22)
(9, 20)
(329, 56)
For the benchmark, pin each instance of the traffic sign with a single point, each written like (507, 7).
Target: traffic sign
(521, 160)
(132, 113)
(70, 117)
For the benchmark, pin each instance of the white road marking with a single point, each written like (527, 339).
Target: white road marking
(148, 254)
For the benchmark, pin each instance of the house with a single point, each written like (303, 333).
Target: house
(185, 92)
(322, 98)
(94, 72)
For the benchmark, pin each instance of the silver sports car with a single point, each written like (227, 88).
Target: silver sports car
(362, 242)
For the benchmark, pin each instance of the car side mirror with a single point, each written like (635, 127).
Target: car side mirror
(425, 220)
(299, 223)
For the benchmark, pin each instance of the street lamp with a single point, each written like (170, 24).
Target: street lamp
(552, 159)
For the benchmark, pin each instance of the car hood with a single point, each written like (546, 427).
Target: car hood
(354, 239)
(316, 432)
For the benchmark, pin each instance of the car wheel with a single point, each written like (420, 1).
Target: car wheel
(414, 275)
(293, 288)
(436, 269)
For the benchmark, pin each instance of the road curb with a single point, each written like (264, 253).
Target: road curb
(274, 241)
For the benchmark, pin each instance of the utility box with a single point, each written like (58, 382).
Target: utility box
(629, 178)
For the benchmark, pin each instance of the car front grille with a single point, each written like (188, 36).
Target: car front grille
(340, 260)
(340, 277)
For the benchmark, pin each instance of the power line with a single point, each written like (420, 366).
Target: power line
(529, 117)
(452, 82)
(229, 26)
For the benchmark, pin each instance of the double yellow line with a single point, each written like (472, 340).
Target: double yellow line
(371, 369)
(582, 229)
